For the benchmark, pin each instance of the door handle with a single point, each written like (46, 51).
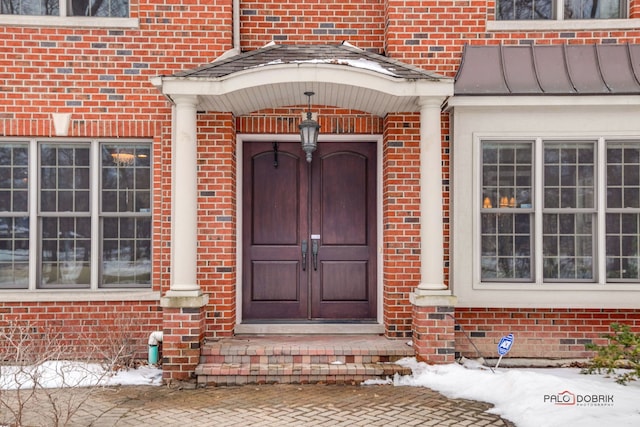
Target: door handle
(314, 250)
(304, 255)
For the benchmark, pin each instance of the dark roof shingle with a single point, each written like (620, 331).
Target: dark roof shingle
(342, 54)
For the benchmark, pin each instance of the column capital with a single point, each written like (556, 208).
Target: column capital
(431, 101)
(184, 99)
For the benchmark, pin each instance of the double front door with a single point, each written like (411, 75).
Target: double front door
(309, 232)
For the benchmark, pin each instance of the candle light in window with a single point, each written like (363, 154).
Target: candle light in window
(504, 202)
(512, 202)
(487, 203)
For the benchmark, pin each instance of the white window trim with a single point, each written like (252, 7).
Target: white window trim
(559, 23)
(563, 24)
(69, 295)
(486, 118)
(68, 21)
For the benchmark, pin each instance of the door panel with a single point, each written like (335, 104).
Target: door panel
(344, 215)
(288, 204)
(274, 212)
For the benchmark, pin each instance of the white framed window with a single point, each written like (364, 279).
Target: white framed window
(75, 215)
(560, 9)
(571, 236)
(559, 210)
(66, 8)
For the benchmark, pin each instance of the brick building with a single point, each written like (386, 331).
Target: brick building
(477, 161)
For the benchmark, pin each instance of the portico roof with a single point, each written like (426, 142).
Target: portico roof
(278, 75)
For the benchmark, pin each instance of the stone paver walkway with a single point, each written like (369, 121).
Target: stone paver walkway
(265, 405)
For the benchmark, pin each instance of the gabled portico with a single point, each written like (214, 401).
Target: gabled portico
(277, 76)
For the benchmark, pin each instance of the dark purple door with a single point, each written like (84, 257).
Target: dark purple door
(309, 232)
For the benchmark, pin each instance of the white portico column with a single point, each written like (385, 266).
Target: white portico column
(433, 329)
(184, 190)
(432, 251)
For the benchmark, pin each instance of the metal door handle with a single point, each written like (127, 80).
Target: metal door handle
(314, 250)
(304, 255)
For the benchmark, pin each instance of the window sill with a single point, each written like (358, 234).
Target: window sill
(75, 21)
(549, 287)
(568, 25)
(561, 295)
(76, 295)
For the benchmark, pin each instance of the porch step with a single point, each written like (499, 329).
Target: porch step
(296, 359)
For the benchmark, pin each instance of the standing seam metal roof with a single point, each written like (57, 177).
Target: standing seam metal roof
(549, 70)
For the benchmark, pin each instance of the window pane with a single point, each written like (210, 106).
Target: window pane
(569, 175)
(594, 9)
(622, 246)
(623, 175)
(126, 240)
(126, 178)
(126, 251)
(66, 243)
(524, 9)
(568, 246)
(107, 8)
(623, 216)
(29, 7)
(506, 247)
(14, 229)
(14, 177)
(14, 252)
(507, 175)
(64, 178)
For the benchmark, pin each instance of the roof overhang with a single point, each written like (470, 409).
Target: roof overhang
(373, 89)
(508, 101)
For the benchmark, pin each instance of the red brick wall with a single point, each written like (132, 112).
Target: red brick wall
(332, 121)
(91, 329)
(539, 332)
(401, 219)
(434, 334)
(431, 34)
(217, 220)
(184, 334)
(312, 22)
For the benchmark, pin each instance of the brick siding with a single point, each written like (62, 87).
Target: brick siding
(92, 329)
(559, 333)
(101, 76)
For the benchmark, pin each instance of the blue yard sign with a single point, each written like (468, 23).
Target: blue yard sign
(504, 346)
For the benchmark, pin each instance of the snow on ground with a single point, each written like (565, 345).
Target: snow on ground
(533, 397)
(56, 374)
(528, 397)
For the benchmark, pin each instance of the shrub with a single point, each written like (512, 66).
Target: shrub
(622, 352)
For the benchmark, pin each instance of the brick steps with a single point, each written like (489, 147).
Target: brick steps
(300, 360)
(294, 373)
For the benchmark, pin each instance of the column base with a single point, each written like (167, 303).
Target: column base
(183, 321)
(183, 299)
(433, 325)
